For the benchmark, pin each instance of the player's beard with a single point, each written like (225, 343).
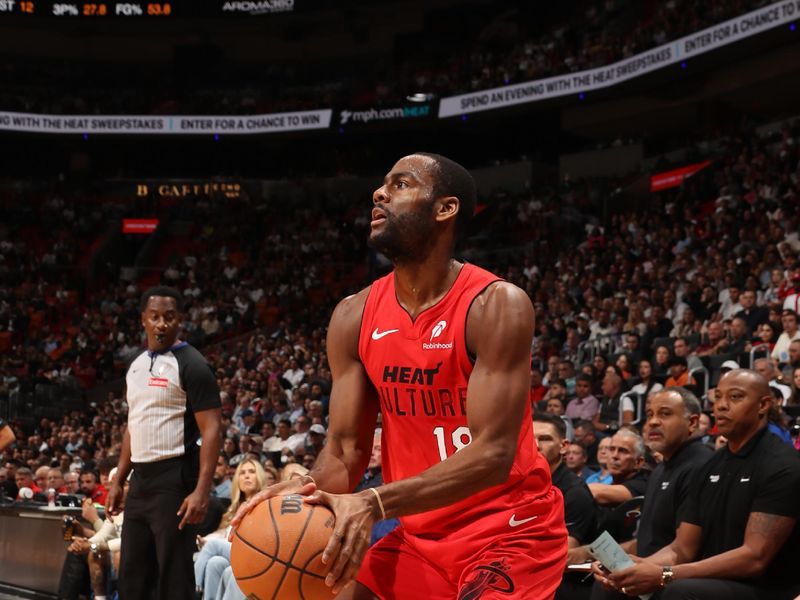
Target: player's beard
(406, 238)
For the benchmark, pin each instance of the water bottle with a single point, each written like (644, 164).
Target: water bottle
(51, 498)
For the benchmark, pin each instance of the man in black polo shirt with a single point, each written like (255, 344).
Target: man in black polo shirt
(625, 464)
(171, 443)
(579, 507)
(672, 416)
(739, 538)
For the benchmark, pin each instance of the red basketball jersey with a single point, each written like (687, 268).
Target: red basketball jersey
(421, 370)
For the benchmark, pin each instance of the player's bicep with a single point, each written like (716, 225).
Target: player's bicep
(499, 330)
(353, 401)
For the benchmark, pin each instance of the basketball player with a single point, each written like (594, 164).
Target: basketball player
(442, 348)
(174, 403)
(7, 436)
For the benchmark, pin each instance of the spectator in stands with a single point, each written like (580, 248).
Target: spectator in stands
(586, 436)
(647, 383)
(792, 299)
(602, 476)
(751, 314)
(100, 547)
(282, 438)
(221, 481)
(584, 405)
(661, 361)
(315, 440)
(678, 373)
(538, 389)
(40, 478)
(633, 345)
(795, 379)
(790, 333)
(214, 556)
(794, 360)
(557, 391)
(610, 416)
(682, 349)
(730, 302)
(552, 370)
(714, 341)
(555, 407)
(92, 488)
(575, 457)
(24, 479)
(579, 507)
(672, 416)
(766, 334)
(737, 342)
(55, 480)
(626, 466)
(738, 535)
(73, 482)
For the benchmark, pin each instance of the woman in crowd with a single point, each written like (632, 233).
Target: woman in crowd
(766, 334)
(647, 384)
(661, 364)
(623, 363)
(215, 554)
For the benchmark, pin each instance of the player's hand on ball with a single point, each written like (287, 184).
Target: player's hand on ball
(300, 485)
(355, 516)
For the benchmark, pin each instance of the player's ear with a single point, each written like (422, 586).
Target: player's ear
(446, 208)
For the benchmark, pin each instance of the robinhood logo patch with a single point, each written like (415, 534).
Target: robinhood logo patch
(437, 331)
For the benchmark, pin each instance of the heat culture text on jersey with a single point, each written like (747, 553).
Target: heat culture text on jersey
(418, 393)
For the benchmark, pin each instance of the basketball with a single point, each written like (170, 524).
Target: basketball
(276, 552)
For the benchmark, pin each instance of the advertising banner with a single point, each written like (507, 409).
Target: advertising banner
(706, 40)
(148, 124)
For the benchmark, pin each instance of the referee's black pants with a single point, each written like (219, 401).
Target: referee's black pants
(156, 557)
(704, 589)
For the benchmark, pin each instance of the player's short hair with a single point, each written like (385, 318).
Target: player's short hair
(454, 180)
(556, 422)
(163, 291)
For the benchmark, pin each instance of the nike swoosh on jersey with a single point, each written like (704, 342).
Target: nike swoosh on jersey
(512, 522)
(376, 335)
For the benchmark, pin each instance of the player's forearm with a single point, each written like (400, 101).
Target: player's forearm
(339, 466)
(209, 451)
(7, 438)
(471, 470)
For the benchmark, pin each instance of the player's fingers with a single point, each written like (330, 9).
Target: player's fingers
(332, 548)
(352, 567)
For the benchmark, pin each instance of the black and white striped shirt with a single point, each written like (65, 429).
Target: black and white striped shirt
(165, 390)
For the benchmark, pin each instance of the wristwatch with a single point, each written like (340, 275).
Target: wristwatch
(666, 575)
(95, 548)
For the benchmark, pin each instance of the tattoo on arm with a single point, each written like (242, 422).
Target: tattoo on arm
(763, 524)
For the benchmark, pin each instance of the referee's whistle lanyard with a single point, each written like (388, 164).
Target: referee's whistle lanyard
(154, 354)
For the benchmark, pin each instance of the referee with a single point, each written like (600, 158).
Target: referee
(171, 443)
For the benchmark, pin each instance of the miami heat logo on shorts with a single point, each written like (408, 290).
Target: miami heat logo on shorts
(487, 577)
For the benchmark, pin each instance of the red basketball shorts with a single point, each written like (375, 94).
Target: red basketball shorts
(517, 554)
